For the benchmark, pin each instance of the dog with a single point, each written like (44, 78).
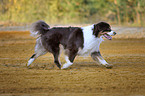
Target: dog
(81, 41)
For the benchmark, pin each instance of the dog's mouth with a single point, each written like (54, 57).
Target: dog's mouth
(107, 36)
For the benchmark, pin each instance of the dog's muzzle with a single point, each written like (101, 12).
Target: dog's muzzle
(109, 34)
(112, 33)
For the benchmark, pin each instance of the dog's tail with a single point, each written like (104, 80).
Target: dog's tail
(39, 27)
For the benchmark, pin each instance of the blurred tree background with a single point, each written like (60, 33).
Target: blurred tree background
(120, 12)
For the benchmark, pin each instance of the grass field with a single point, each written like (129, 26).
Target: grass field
(83, 78)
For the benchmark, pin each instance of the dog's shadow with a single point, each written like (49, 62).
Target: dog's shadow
(85, 64)
(76, 65)
(52, 66)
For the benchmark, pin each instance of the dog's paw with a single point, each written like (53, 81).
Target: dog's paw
(109, 66)
(66, 65)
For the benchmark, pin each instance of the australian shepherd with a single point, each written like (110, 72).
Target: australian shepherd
(74, 40)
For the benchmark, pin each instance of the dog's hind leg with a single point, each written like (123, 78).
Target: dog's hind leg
(35, 56)
(56, 53)
(99, 59)
(39, 50)
(32, 58)
(56, 60)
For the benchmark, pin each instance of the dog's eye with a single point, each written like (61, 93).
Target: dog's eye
(43, 25)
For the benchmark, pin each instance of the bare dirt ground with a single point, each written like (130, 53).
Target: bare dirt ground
(83, 78)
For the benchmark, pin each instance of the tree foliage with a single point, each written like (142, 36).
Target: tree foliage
(73, 11)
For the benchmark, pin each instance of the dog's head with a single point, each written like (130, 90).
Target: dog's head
(104, 29)
(39, 27)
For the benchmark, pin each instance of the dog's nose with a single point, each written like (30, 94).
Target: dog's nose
(114, 33)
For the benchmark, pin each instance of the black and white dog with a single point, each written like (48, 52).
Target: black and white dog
(74, 40)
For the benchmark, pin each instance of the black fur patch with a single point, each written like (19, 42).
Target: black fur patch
(33, 56)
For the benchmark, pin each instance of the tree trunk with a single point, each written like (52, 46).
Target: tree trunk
(118, 12)
(138, 19)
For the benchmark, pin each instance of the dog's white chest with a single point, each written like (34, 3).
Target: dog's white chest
(90, 46)
(91, 43)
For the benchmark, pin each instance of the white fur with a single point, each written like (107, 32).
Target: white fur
(67, 64)
(34, 34)
(112, 33)
(30, 61)
(39, 48)
(91, 43)
(102, 61)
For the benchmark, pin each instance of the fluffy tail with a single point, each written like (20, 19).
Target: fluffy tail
(39, 27)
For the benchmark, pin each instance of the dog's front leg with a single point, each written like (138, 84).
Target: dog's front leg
(97, 57)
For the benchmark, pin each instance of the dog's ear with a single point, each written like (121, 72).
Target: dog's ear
(101, 26)
(96, 29)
